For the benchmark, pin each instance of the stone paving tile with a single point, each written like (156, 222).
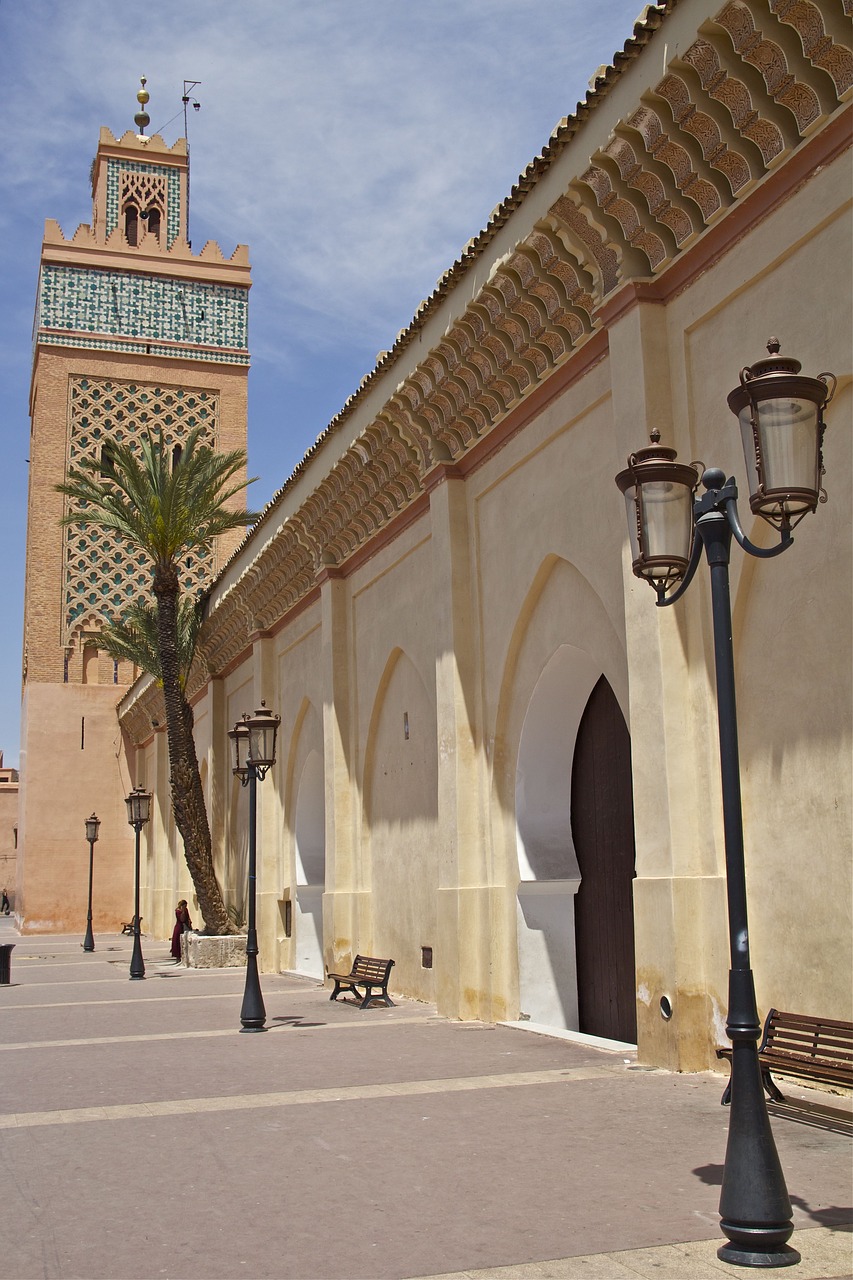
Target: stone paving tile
(826, 1255)
(402, 1145)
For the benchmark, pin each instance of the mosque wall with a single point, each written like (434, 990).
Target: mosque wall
(498, 760)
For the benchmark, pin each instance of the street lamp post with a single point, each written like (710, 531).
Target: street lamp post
(254, 755)
(781, 418)
(138, 812)
(92, 825)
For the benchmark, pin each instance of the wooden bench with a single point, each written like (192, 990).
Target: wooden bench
(367, 972)
(129, 927)
(796, 1044)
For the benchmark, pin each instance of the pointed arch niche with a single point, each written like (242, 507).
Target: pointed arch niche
(310, 847)
(235, 869)
(303, 873)
(547, 861)
(401, 813)
(565, 644)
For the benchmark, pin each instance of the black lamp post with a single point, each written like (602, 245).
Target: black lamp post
(92, 825)
(138, 812)
(254, 755)
(781, 419)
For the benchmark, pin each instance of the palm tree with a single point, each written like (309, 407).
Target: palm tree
(165, 506)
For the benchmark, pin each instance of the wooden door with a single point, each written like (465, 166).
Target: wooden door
(603, 832)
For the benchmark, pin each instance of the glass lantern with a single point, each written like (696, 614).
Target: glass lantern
(658, 495)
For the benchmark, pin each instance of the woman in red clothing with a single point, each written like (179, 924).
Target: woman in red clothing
(182, 925)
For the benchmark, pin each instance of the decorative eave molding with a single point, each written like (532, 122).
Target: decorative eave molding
(727, 129)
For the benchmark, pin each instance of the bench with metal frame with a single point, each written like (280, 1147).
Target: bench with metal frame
(367, 972)
(802, 1046)
(130, 926)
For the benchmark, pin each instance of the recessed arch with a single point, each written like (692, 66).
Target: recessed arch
(542, 803)
(306, 793)
(310, 823)
(400, 816)
(549, 875)
(561, 607)
(235, 873)
(562, 643)
(131, 224)
(310, 848)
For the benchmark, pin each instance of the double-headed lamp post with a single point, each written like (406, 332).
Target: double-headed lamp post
(92, 825)
(138, 812)
(254, 755)
(781, 419)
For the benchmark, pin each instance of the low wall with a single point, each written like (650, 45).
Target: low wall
(198, 951)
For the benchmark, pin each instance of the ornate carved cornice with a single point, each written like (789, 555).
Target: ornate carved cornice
(142, 710)
(374, 480)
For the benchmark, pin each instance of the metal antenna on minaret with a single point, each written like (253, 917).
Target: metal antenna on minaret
(142, 118)
(189, 85)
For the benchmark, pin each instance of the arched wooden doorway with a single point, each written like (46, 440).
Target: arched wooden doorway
(603, 834)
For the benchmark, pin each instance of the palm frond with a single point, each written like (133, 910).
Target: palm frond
(134, 638)
(162, 509)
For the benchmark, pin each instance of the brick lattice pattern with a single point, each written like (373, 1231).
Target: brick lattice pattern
(100, 575)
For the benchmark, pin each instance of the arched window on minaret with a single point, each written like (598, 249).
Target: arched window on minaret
(177, 454)
(131, 224)
(153, 222)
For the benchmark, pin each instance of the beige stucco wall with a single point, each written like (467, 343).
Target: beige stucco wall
(792, 636)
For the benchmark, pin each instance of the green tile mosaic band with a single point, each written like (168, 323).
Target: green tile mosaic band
(131, 305)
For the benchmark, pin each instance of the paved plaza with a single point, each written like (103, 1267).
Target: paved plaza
(143, 1137)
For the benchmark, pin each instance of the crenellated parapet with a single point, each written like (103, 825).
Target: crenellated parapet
(153, 143)
(86, 237)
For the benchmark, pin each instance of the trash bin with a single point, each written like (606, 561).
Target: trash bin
(6, 964)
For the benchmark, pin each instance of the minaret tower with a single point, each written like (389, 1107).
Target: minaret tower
(132, 332)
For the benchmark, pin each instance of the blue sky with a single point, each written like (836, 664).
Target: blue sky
(354, 145)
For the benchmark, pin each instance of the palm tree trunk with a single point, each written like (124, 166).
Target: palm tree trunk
(187, 792)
